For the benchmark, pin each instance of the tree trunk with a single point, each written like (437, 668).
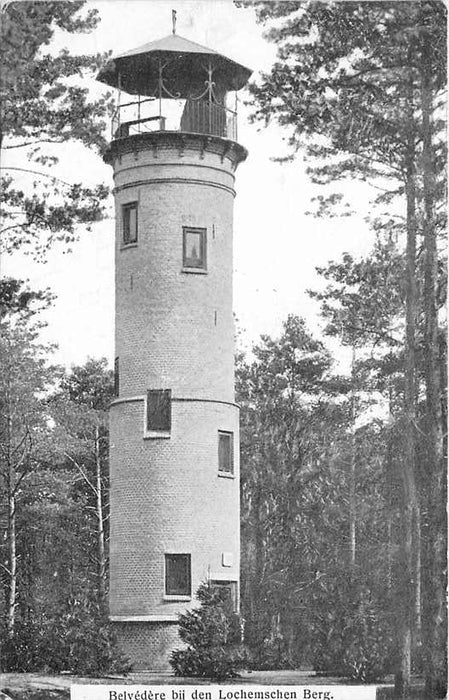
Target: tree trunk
(12, 561)
(256, 603)
(352, 504)
(11, 531)
(389, 496)
(418, 574)
(406, 596)
(101, 553)
(435, 487)
(389, 552)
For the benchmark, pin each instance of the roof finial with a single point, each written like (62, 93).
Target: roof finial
(173, 18)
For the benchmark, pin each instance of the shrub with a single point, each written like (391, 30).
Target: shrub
(81, 642)
(367, 644)
(212, 634)
(352, 633)
(266, 649)
(18, 653)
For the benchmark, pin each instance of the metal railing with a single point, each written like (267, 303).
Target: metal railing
(204, 117)
(197, 117)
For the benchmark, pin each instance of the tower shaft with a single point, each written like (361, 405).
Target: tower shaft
(174, 424)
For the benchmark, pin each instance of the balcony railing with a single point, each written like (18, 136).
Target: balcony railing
(187, 116)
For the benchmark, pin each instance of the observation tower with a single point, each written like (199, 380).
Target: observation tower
(174, 424)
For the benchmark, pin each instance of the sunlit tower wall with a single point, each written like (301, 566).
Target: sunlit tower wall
(174, 425)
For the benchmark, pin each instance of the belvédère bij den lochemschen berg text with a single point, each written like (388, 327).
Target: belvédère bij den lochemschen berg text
(223, 694)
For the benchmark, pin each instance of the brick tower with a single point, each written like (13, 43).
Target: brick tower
(174, 424)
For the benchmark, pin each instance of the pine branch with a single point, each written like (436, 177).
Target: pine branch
(32, 143)
(37, 172)
(82, 472)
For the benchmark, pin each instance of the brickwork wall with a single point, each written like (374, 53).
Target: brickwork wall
(148, 644)
(167, 496)
(174, 330)
(181, 322)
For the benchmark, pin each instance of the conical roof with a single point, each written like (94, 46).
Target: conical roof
(184, 70)
(172, 42)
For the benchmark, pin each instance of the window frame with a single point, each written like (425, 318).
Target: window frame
(162, 430)
(230, 435)
(185, 592)
(229, 585)
(187, 264)
(126, 237)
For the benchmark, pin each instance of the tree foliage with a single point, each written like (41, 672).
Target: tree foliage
(80, 412)
(360, 85)
(53, 502)
(24, 377)
(299, 578)
(344, 73)
(46, 102)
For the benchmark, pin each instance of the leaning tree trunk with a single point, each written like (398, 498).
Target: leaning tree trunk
(435, 486)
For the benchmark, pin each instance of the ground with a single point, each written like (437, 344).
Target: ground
(39, 686)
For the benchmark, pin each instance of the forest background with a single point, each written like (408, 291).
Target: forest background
(343, 502)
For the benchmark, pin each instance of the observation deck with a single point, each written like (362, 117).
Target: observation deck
(188, 116)
(178, 86)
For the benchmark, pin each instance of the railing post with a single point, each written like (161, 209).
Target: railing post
(138, 113)
(119, 99)
(236, 121)
(160, 87)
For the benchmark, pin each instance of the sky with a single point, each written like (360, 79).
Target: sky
(277, 246)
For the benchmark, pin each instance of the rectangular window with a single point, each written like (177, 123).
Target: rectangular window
(227, 591)
(159, 410)
(116, 377)
(129, 220)
(194, 248)
(177, 574)
(225, 452)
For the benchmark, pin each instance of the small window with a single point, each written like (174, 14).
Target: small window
(116, 377)
(225, 452)
(129, 219)
(227, 592)
(159, 410)
(177, 574)
(194, 248)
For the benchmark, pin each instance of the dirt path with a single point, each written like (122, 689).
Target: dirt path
(39, 686)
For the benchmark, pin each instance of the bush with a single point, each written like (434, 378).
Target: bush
(18, 653)
(88, 646)
(82, 643)
(213, 638)
(352, 633)
(266, 650)
(367, 644)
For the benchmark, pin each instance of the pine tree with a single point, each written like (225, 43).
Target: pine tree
(212, 635)
(24, 378)
(80, 412)
(42, 107)
(367, 78)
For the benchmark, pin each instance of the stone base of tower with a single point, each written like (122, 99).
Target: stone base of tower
(147, 645)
